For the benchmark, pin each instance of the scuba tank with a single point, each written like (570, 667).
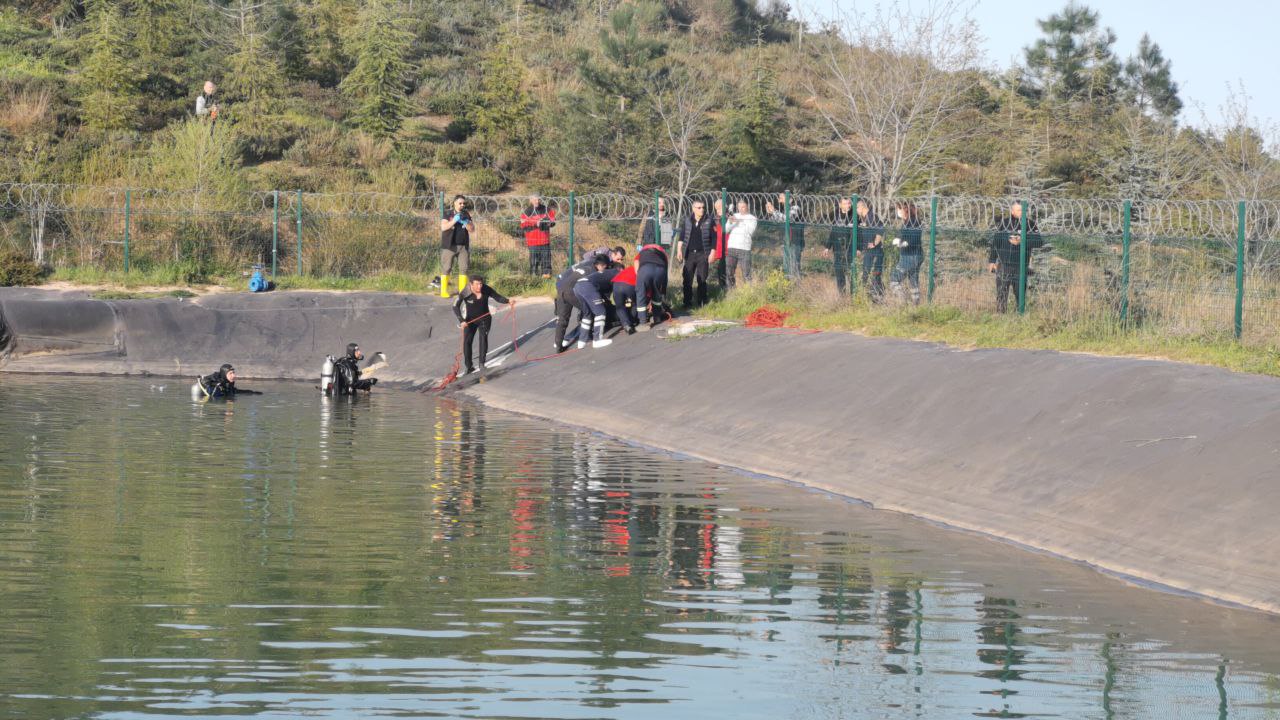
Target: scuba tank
(326, 375)
(197, 392)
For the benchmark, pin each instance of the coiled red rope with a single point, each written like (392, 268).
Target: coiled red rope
(772, 320)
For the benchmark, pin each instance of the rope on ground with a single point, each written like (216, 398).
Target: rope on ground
(462, 346)
(772, 320)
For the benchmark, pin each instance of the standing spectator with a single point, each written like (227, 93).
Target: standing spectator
(456, 227)
(741, 226)
(694, 246)
(666, 228)
(206, 105)
(1005, 256)
(871, 251)
(537, 221)
(719, 257)
(475, 318)
(840, 243)
(910, 245)
(795, 246)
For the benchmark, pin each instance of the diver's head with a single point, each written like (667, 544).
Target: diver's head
(227, 372)
(353, 351)
(603, 262)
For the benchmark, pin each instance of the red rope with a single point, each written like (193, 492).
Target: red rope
(772, 320)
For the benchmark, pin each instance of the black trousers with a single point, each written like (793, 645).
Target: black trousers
(1006, 281)
(564, 312)
(651, 288)
(624, 304)
(696, 267)
(539, 259)
(873, 273)
(481, 328)
(722, 271)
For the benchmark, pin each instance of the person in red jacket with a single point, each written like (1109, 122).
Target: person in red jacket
(624, 296)
(537, 221)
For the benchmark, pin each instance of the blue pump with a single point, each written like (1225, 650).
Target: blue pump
(258, 282)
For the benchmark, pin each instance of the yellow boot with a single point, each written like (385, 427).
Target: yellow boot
(462, 283)
(444, 286)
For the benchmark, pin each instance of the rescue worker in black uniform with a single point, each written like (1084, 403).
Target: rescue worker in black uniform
(592, 293)
(651, 285)
(475, 317)
(346, 372)
(1005, 257)
(222, 383)
(566, 302)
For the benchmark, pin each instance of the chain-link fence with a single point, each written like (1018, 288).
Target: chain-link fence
(1184, 268)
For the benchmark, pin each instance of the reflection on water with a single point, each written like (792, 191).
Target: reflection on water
(288, 555)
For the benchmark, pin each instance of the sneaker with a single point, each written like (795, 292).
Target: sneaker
(582, 344)
(602, 342)
(469, 371)
(631, 330)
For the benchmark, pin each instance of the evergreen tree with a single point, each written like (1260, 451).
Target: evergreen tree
(1074, 61)
(322, 24)
(503, 115)
(376, 85)
(632, 55)
(109, 81)
(755, 127)
(1149, 81)
(157, 27)
(254, 84)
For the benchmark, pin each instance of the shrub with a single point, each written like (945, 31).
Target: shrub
(455, 157)
(484, 181)
(17, 269)
(450, 102)
(459, 129)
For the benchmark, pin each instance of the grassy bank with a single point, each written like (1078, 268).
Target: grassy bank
(816, 306)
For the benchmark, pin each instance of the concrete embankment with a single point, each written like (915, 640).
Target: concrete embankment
(1163, 472)
(272, 335)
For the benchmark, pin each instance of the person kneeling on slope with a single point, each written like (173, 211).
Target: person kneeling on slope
(624, 297)
(220, 384)
(475, 318)
(347, 373)
(591, 292)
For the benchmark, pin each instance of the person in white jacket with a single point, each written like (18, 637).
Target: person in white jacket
(741, 226)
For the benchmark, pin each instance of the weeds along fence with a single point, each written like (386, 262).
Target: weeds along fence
(1180, 268)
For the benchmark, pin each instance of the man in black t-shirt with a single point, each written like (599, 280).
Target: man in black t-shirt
(474, 316)
(456, 227)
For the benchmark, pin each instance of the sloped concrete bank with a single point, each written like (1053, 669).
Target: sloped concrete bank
(281, 335)
(1163, 472)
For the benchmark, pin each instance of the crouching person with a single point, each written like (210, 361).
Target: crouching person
(651, 285)
(624, 297)
(591, 292)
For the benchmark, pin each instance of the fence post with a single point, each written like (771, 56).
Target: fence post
(1240, 239)
(128, 197)
(298, 213)
(853, 250)
(573, 208)
(1022, 261)
(1124, 262)
(933, 245)
(275, 230)
(786, 234)
(657, 221)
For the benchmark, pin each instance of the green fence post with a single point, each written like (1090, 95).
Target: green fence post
(275, 230)
(1022, 262)
(440, 210)
(127, 211)
(1124, 262)
(853, 250)
(657, 220)
(1240, 269)
(298, 213)
(573, 207)
(933, 245)
(786, 234)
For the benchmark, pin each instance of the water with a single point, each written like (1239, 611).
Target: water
(412, 557)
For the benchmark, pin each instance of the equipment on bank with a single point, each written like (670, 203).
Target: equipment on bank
(259, 282)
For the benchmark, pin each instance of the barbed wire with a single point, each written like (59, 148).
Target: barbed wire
(1100, 217)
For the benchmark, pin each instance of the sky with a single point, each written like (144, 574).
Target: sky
(1210, 44)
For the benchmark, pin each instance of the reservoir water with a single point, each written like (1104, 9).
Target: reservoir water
(412, 556)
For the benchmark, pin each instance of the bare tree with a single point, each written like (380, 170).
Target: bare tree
(887, 84)
(683, 103)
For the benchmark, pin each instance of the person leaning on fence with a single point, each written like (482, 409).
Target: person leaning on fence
(839, 242)
(742, 227)
(694, 247)
(794, 246)
(475, 318)
(910, 246)
(456, 227)
(536, 221)
(666, 230)
(1005, 256)
(871, 251)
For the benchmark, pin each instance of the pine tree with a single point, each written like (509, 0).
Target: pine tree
(1149, 81)
(1074, 61)
(322, 24)
(376, 85)
(503, 114)
(755, 127)
(109, 80)
(254, 84)
(157, 27)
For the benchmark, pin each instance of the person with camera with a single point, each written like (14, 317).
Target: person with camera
(536, 221)
(456, 227)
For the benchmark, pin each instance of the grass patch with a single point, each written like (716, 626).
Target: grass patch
(972, 329)
(132, 295)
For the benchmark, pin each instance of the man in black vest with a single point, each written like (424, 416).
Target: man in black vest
(694, 244)
(1005, 257)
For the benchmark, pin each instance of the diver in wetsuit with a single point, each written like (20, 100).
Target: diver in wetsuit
(347, 373)
(222, 384)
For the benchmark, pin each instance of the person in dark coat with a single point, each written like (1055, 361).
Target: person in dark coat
(1005, 256)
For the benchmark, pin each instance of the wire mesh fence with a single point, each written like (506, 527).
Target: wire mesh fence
(1184, 268)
